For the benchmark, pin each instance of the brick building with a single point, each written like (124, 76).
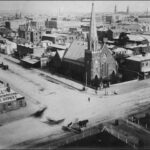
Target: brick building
(51, 24)
(30, 33)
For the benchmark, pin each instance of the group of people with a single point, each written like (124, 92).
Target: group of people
(101, 83)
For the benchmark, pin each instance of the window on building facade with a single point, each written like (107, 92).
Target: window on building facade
(9, 104)
(142, 64)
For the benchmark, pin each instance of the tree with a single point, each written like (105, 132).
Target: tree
(101, 35)
(109, 34)
(96, 82)
(123, 39)
(136, 20)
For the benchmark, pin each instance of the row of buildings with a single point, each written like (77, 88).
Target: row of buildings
(82, 60)
(86, 53)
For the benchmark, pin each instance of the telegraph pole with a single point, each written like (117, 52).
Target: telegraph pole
(86, 78)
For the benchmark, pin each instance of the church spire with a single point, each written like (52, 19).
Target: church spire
(93, 40)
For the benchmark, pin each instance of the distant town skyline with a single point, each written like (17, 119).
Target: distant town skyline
(73, 6)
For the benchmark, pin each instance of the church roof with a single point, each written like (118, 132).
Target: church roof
(76, 51)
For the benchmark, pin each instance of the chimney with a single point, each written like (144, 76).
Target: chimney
(105, 39)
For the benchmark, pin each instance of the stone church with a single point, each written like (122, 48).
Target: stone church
(85, 61)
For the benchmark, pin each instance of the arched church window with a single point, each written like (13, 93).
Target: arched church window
(104, 58)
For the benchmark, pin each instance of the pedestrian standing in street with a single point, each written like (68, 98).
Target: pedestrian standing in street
(89, 99)
(95, 90)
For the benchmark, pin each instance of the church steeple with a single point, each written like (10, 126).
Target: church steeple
(93, 40)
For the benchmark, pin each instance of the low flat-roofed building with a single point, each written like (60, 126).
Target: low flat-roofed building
(55, 47)
(23, 50)
(122, 51)
(59, 38)
(39, 58)
(138, 49)
(9, 99)
(30, 61)
(54, 38)
(137, 66)
(144, 18)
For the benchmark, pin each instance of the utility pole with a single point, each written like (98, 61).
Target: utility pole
(86, 78)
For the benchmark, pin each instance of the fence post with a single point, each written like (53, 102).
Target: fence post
(146, 125)
(126, 141)
(118, 135)
(75, 138)
(66, 141)
(83, 134)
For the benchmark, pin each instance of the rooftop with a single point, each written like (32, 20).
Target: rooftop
(135, 46)
(30, 60)
(26, 45)
(139, 58)
(58, 46)
(135, 37)
(76, 51)
(6, 96)
(38, 51)
(50, 35)
(61, 53)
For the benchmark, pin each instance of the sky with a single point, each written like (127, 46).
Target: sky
(73, 6)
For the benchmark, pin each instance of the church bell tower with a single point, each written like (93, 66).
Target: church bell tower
(92, 54)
